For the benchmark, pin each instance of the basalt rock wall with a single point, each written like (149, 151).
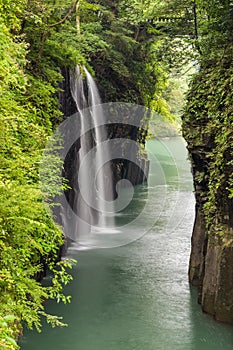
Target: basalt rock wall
(208, 130)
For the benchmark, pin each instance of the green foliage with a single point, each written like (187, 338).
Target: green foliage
(7, 326)
(29, 239)
(117, 41)
(208, 117)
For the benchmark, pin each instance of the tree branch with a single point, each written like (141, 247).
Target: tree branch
(77, 17)
(196, 35)
(72, 9)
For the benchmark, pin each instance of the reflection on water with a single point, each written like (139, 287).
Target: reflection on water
(137, 297)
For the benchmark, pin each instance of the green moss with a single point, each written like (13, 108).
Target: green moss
(208, 129)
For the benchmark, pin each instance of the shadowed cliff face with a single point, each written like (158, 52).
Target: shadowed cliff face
(208, 130)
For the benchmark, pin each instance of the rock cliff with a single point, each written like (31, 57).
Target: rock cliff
(208, 130)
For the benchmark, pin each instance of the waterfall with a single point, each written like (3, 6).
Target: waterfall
(94, 192)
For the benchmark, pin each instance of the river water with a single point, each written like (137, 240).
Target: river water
(137, 296)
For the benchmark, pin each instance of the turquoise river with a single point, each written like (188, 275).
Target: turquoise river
(137, 296)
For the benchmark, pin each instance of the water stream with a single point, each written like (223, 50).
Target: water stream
(93, 196)
(137, 297)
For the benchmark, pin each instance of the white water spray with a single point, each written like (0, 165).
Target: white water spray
(94, 200)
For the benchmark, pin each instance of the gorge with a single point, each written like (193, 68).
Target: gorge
(138, 293)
